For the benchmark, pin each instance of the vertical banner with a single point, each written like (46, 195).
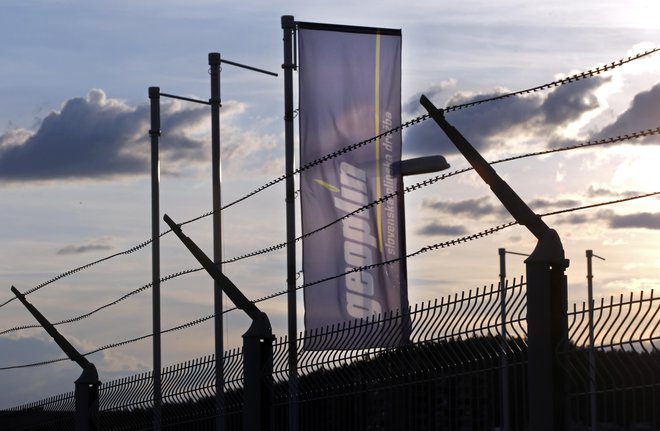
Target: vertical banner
(350, 91)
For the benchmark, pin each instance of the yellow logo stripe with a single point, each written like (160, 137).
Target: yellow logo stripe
(326, 185)
(377, 121)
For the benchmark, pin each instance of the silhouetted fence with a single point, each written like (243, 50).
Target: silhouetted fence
(447, 377)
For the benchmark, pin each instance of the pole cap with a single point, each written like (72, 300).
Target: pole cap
(288, 21)
(214, 58)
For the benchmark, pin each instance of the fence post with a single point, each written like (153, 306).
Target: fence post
(547, 329)
(257, 342)
(547, 326)
(87, 385)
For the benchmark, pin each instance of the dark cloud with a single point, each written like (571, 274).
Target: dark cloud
(436, 229)
(612, 220)
(576, 219)
(475, 208)
(96, 137)
(542, 204)
(599, 192)
(486, 125)
(639, 220)
(23, 385)
(80, 249)
(642, 114)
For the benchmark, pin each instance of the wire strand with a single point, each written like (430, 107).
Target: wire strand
(408, 189)
(573, 78)
(422, 250)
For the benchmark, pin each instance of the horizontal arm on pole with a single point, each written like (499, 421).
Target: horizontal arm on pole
(187, 99)
(255, 69)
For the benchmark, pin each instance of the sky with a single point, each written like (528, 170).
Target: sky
(75, 175)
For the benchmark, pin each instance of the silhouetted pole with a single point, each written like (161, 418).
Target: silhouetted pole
(504, 358)
(592, 353)
(547, 323)
(87, 385)
(400, 169)
(288, 29)
(154, 132)
(216, 178)
(257, 343)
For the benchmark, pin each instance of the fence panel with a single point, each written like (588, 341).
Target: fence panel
(449, 376)
(615, 385)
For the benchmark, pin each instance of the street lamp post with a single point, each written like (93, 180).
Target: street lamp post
(404, 168)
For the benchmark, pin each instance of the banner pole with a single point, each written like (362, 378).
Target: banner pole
(288, 29)
(154, 132)
(214, 65)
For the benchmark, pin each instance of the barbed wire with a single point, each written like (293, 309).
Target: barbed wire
(419, 185)
(103, 307)
(572, 78)
(408, 189)
(455, 241)
(81, 268)
(423, 250)
(569, 79)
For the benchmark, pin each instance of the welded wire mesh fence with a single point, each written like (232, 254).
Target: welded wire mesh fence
(620, 377)
(448, 376)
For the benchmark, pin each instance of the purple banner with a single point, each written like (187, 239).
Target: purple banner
(350, 91)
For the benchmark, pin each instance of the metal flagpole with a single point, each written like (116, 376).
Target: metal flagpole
(214, 65)
(154, 132)
(592, 353)
(288, 29)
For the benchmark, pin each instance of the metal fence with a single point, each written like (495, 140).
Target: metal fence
(450, 376)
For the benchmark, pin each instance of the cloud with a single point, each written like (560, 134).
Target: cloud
(542, 204)
(97, 137)
(475, 208)
(23, 385)
(639, 220)
(493, 124)
(642, 114)
(81, 249)
(601, 192)
(436, 229)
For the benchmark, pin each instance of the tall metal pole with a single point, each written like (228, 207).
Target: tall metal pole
(154, 132)
(288, 29)
(592, 353)
(504, 358)
(214, 65)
